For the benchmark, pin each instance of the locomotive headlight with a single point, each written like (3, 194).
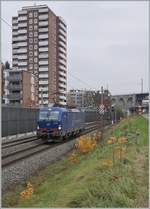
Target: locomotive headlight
(37, 127)
(59, 127)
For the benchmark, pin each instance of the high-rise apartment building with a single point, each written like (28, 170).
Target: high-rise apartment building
(40, 46)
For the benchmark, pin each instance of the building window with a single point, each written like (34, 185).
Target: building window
(35, 53)
(35, 59)
(35, 66)
(35, 46)
(30, 47)
(30, 27)
(31, 53)
(30, 60)
(35, 40)
(35, 27)
(30, 14)
(35, 14)
(30, 40)
(35, 21)
(30, 34)
(35, 34)
(30, 66)
(30, 21)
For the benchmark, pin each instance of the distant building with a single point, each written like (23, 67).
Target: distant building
(87, 98)
(19, 88)
(39, 42)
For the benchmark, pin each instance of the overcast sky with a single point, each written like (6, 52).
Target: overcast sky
(107, 42)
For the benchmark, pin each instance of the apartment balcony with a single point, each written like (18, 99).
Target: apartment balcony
(22, 38)
(15, 51)
(15, 56)
(22, 57)
(14, 78)
(44, 95)
(44, 10)
(14, 39)
(44, 55)
(62, 38)
(43, 69)
(15, 46)
(22, 31)
(43, 82)
(22, 25)
(22, 18)
(43, 17)
(14, 21)
(62, 56)
(22, 44)
(22, 64)
(62, 79)
(43, 43)
(43, 49)
(22, 12)
(15, 27)
(62, 103)
(62, 26)
(22, 50)
(14, 96)
(43, 23)
(62, 61)
(61, 67)
(14, 33)
(43, 89)
(62, 97)
(61, 49)
(43, 36)
(43, 62)
(62, 32)
(62, 44)
(62, 85)
(43, 30)
(15, 62)
(43, 75)
(14, 87)
(61, 73)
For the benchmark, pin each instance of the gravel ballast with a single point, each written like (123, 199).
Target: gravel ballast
(20, 171)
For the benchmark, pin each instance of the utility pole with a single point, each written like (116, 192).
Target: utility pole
(42, 96)
(141, 85)
(102, 100)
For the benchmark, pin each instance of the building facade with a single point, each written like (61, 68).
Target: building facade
(39, 41)
(19, 88)
(80, 98)
(88, 98)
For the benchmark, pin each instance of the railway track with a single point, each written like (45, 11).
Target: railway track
(35, 148)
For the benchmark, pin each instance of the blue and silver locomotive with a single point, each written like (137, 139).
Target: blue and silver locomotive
(56, 123)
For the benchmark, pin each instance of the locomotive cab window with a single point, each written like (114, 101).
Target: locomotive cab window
(53, 115)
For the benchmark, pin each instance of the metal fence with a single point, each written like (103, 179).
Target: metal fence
(18, 120)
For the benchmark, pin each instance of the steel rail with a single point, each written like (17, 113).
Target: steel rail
(27, 152)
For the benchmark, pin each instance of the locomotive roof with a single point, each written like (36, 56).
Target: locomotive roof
(62, 109)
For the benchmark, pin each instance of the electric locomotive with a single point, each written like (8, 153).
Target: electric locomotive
(57, 123)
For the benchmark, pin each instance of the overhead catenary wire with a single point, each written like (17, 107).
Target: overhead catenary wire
(81, 81)
(6, 22)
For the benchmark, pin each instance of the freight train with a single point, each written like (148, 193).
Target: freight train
(57, 123)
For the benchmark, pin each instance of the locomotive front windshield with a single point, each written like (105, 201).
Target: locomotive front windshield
(50, 115)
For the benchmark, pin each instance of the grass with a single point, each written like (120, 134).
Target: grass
(88, 183)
